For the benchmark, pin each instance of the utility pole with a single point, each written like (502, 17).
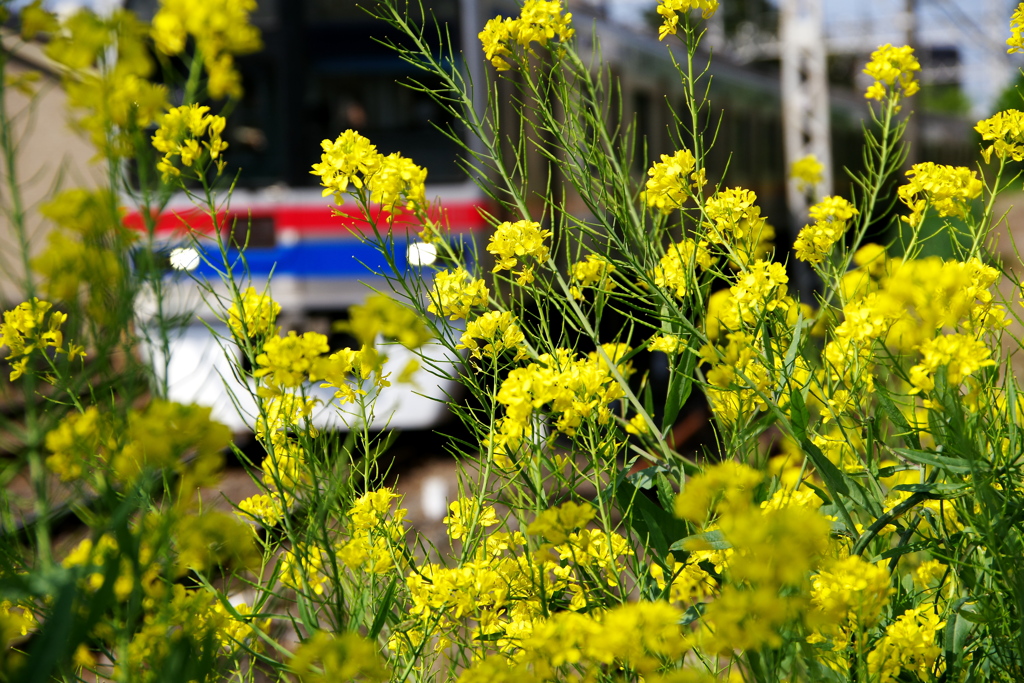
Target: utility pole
(805, 103)
(912, 135)
(805, 110)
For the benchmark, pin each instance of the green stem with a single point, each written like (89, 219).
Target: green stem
(33, 423)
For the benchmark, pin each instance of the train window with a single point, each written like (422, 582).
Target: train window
(324, 70)
(252, 231)
(354, 10)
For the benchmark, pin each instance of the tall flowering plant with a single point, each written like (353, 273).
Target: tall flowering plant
(867, 432)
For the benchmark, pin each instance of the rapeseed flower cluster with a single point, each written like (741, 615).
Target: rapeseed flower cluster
(666, 343)
(82, 264)
(568, 388)
(455, 293)
(499, 333)
(351, 159)
(539, 21)
(467, 513)
(910, 300)
(502, 592)
(808, 172)
(671, 9)
(849, 597)
(903, 304)
(1005, 130)
(893, 70)
(556, 524)
(831, 216)
(908, 645)
(960, 355)
(179, 135)
(398, 179)
(687, 582)
(291, 361)
(27, 329)
(512, 242)
(221, 30)
(737, 226)
(672, 181)
(253, 315)
(1015, 41)
(382, 315)
(594, 271)
(948, 189)
(770, 551)
(328, 657)
(635, 637)
(740, 382)
(375, 534)
(93, 445)
(192, 621)
(108, 65)
(676, 270)
(285, 474)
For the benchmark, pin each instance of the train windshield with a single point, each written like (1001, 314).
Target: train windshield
(323, 70)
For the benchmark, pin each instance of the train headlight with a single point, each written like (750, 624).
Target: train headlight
(183, 258)
(421, 254)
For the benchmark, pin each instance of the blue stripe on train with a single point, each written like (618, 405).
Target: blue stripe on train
(345, 258)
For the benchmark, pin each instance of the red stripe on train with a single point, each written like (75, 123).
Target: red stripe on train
(310, 220)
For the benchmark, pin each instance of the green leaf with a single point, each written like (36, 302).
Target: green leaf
(647, 519)
(829, 472)
(937, 491)
(935, 459)
(955, 637)
(385, 609)
(714, 540)
(897, 417)
(694, 613)
(679, 387)
(666, 494)
(904, 549)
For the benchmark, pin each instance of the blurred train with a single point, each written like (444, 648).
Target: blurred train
(325, 69)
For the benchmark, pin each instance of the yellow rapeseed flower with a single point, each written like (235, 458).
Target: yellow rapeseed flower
(499, 332)
(455, 292)
(1015, 41)
(961, 355)
(948, 189)
(1005, 130)
(670, 181)
(676, 269)
(908, 644)
(461, 517)
(517, 240)
(831, 216)
(670, 10)
(254, 316)
(807, 172)
(26, 329)
(594, 271)
(290, 361)
(892, 68)
(220, 28)
(346, 160)
(181, 131)
(539, 21)
(555, 524)
(397, 179)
